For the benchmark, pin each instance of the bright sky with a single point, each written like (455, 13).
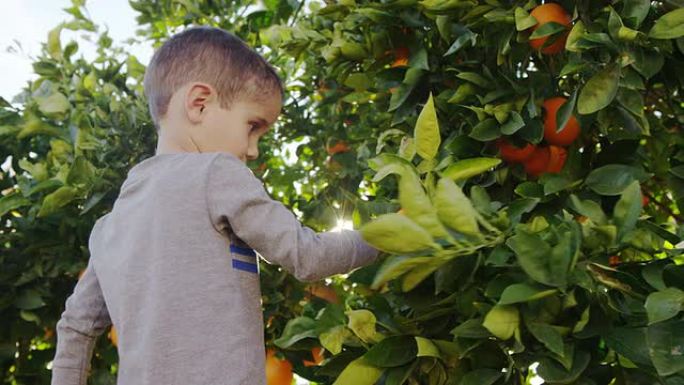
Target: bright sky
(28, 22)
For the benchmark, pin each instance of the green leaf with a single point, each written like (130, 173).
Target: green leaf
(394, 267)
(533, 255)
(392, 351)
(647, 62)
(454, 208)
(426, 348)
(514, 123)
(468, 168)
(29, 300)
(353, 51)
(627, 209)
(565, 112)
(523, 20)
(427, 131)
(362, 323)
(358, 373)
(54, 48)
(417, 206)
(613, 179)
(463, 36)
(475, 78)
(358, 81)
(502, 321)
(411, 80)
(629, 342)
(547, 29)
(400, 374)
(56, 103)
(665, 345)
(462, 93)
(396, 233)
(589, 209)
(576, 33)
(552, 372)
(486, 130)
(524, 292)
(663, 305)
(57, 199)
(599, 91)
(471, 328)
(296, 329)
(11, 202)
(635, 11)
(414, 277)
(548, 335)
(333, 339)
(481, 377)
(669, 26)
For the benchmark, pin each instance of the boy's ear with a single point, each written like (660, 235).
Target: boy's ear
(197, 98)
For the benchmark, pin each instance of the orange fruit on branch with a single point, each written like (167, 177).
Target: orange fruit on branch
(546, 159)
(278, 371)
(113, 337)
(568, 134)
(317, 355)
(336, 147)
(547, 13)
(401, 57)
(323, 292)
(512, 153)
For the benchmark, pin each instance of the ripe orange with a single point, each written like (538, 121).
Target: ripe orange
(49, 333)
(536, 164)
(614, 260)
(644, 200)
(401, 57)
(546, 13)
(557, 158)
(317, 354)
(278, 372)
(568, 134)
(512, 153)
(546, 159)
(113, 337)
(336, 147)
(323, 292)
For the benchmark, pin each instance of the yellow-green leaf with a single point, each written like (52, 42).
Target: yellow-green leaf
(54, 47)
(669, 26)
(362, 323)
(468, 168)
(396, 233)
(427, 131)
(454, 208)
(358, 373)
(502, 321)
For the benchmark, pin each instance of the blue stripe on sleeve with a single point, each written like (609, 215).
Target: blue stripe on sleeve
(245, 266)
(242, 250)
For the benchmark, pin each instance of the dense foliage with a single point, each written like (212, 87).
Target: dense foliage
(535, 155)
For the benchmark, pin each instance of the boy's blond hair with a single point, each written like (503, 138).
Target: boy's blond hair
(209, 55)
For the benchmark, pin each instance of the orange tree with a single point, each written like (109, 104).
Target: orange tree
(535, 152)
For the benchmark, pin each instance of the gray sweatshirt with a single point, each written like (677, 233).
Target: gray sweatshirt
(169, 269)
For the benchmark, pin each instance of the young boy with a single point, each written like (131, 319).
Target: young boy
(168, 266)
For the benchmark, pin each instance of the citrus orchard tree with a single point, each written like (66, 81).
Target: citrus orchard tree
(521, 166)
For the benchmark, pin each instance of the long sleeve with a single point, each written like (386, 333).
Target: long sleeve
(83, 320)
(236, 198)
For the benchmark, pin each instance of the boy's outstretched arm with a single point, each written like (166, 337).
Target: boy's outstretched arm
(83, 320)
(238, 199)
